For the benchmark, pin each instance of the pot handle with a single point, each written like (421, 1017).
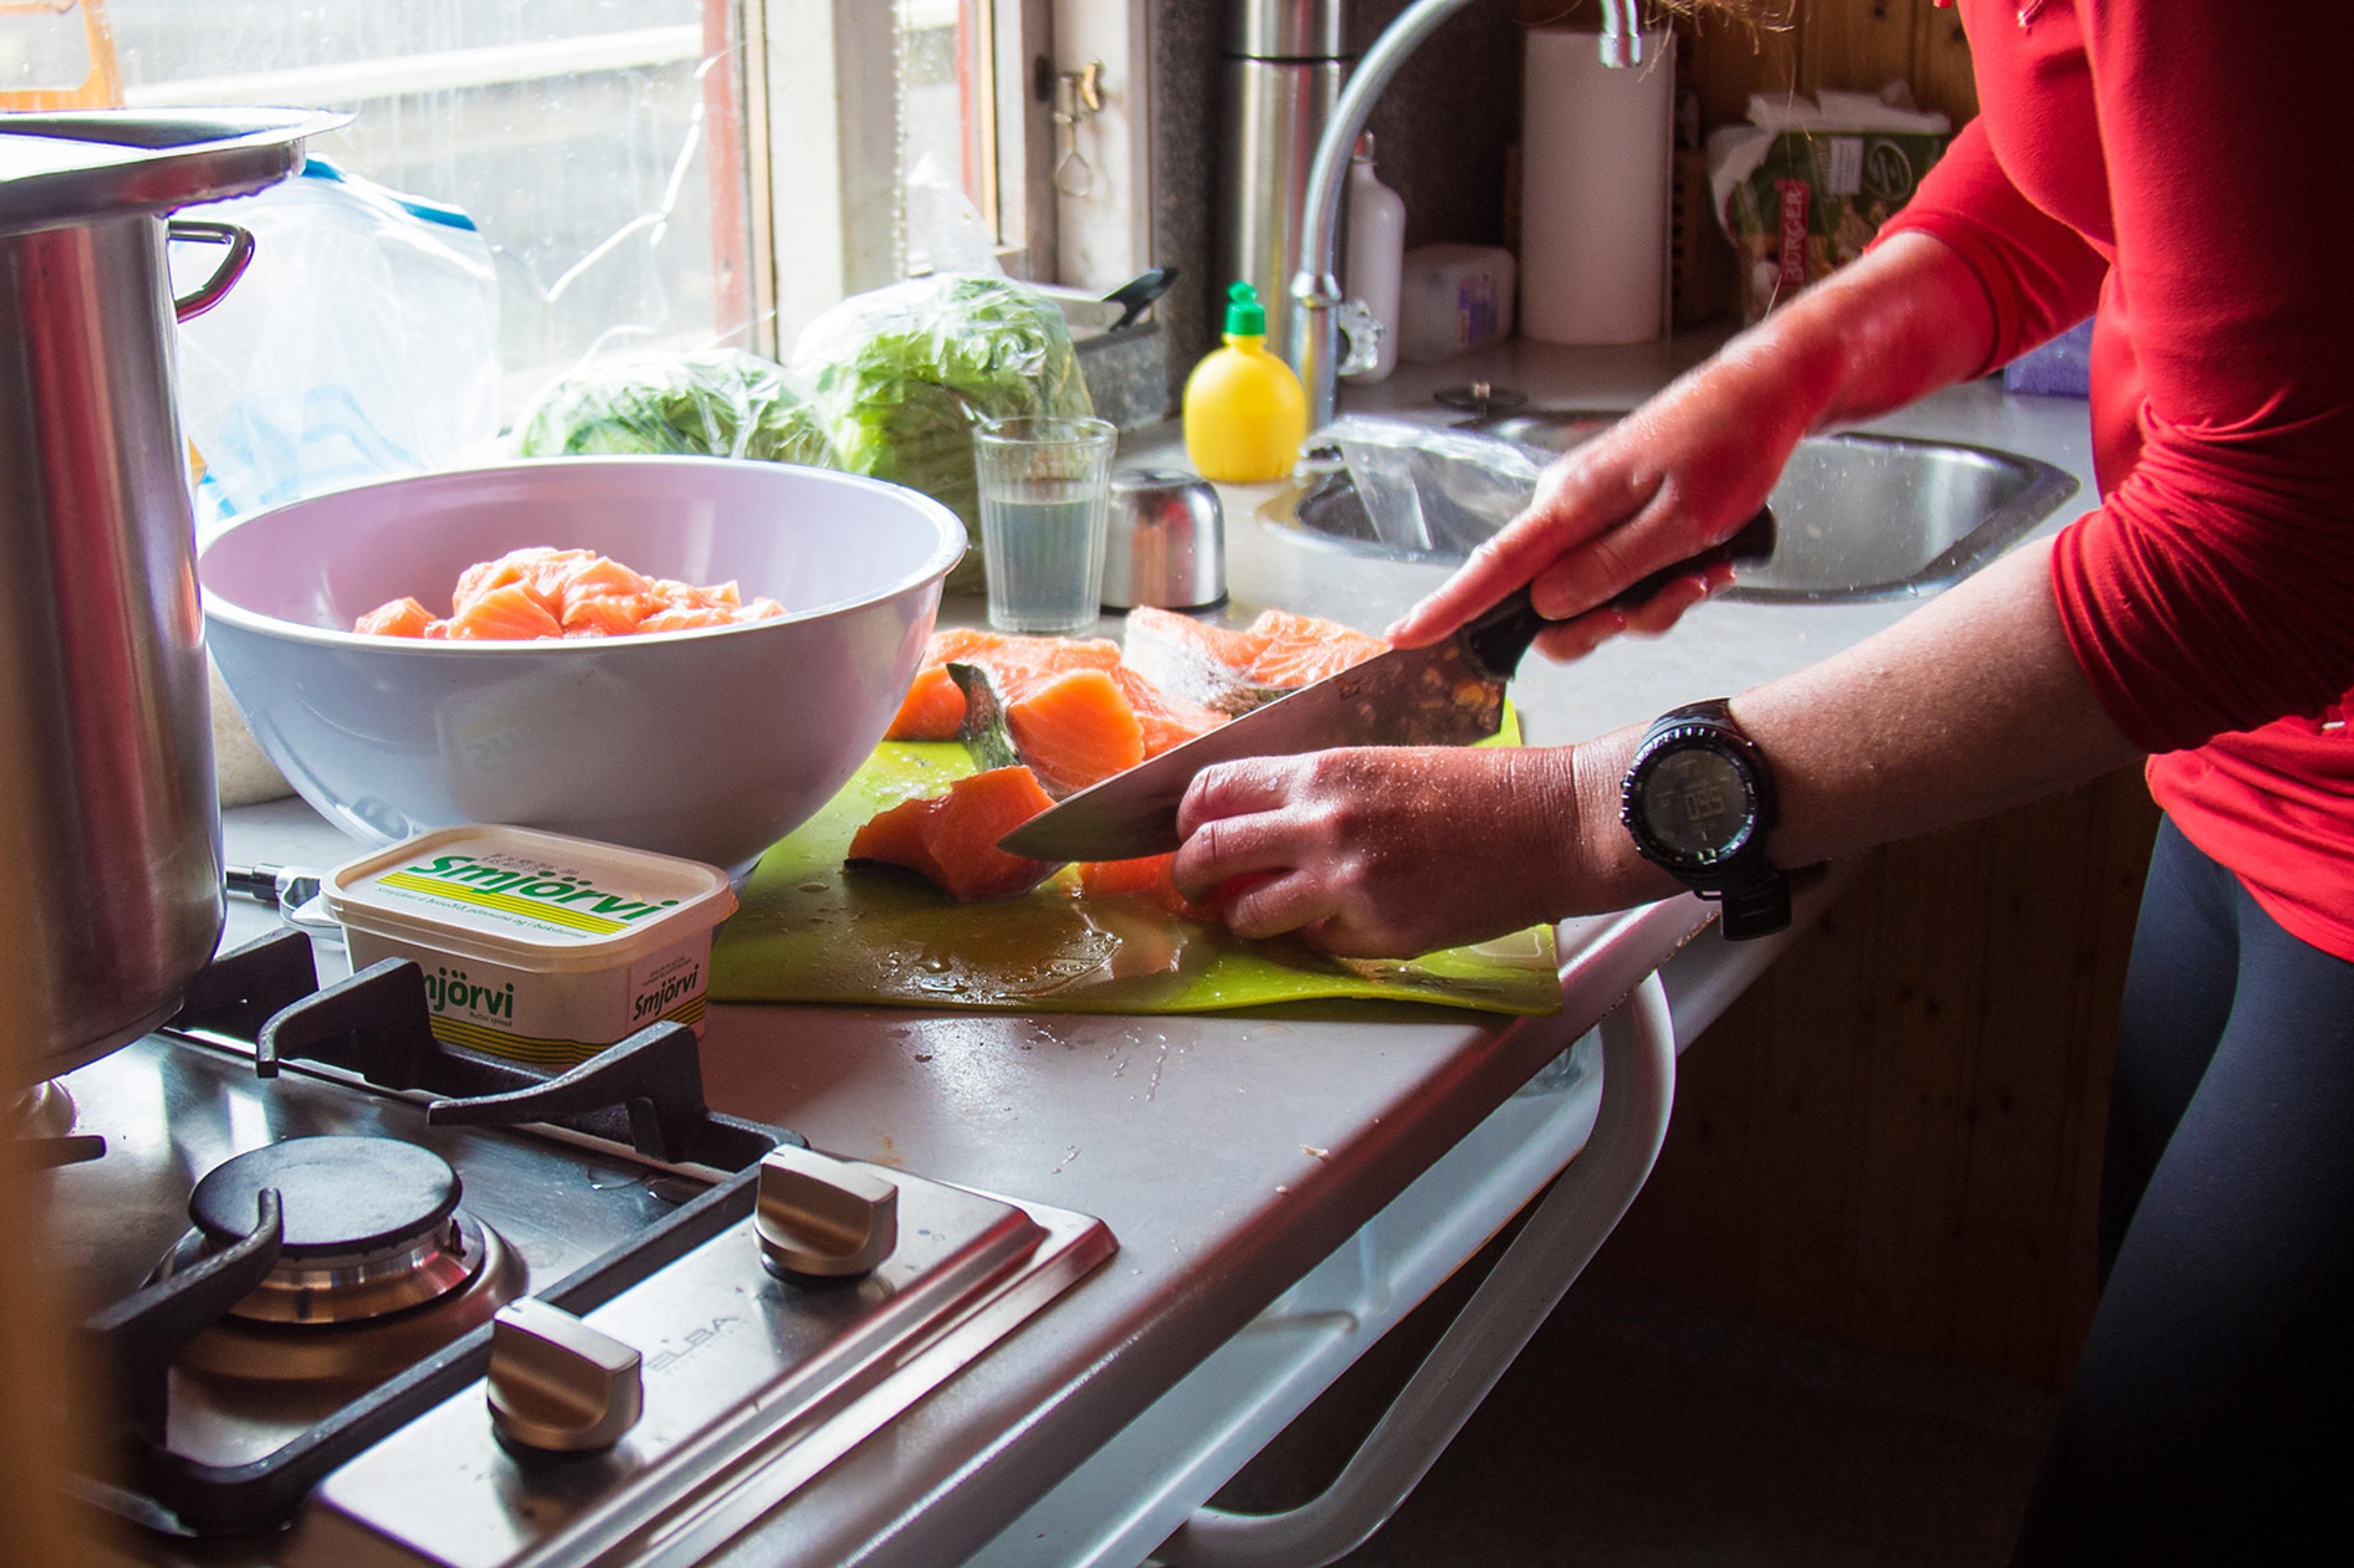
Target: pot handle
(210, 293)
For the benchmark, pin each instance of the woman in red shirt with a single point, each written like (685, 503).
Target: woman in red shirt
(2175, 169)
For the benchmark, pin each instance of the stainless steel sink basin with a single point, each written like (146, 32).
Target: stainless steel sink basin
(1863, 518)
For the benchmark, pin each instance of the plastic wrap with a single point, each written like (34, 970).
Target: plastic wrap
(1430, 490)
(362, 344)
(903, 373)
(719, 403)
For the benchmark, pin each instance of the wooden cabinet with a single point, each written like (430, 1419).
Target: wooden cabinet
(1894, 1137)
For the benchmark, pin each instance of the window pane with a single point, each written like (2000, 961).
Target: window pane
(947, 105)
(597, 143)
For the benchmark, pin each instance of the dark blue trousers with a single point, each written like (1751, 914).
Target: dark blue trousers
(2212, 1416)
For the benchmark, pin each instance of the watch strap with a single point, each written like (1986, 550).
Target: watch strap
(1758, 908)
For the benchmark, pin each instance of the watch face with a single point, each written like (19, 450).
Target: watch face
(1696, 803)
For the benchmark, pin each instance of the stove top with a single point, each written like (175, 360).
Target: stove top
(372, 1298)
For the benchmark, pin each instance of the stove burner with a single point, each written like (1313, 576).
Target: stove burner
(372, 1227)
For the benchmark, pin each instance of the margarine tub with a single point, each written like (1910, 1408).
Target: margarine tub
(536, 945)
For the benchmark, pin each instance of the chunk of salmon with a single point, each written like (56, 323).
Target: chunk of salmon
(687, 618)
(606, 615)
(541, 570)
(952, 839)
(895, 837)
(1074, 730)
(508, 613)
(1148, 878)
(401, 618)
(934, 708)
(597, 578)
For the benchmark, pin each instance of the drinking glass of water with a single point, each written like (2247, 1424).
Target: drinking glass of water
(1044, 486)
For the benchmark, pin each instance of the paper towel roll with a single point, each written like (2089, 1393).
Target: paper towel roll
(1595, 177)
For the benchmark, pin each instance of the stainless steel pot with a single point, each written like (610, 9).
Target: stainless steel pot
(113, 837)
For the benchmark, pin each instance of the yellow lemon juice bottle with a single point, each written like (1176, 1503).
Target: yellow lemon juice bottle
(1246, 415)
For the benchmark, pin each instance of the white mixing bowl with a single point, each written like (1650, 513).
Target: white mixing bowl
(708, 744)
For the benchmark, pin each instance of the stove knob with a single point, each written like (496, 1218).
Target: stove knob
(819, 1216)
(559, 1386)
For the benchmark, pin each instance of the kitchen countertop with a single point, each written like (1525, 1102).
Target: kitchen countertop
(1228, 1153)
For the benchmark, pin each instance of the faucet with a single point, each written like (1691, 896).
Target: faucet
(1320, 314)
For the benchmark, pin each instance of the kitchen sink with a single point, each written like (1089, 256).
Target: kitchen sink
(1861, 517)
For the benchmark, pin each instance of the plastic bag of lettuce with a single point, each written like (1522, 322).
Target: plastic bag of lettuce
(718, 403)
(901, 375)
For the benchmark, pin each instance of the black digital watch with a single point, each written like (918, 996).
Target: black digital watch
(1699, 801)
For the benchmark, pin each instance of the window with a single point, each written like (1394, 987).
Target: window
(626, 160)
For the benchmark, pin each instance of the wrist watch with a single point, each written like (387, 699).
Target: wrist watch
(1699, 799)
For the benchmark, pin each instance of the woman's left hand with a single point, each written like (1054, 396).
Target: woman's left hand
(1385, 852)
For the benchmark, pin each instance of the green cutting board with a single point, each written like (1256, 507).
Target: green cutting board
(811, 929)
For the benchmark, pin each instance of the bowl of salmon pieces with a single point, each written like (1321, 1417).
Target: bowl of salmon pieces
(689, 655)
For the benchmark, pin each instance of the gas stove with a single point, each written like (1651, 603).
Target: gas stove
(370, 1298)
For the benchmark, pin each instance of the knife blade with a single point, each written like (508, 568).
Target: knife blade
(1450, 693)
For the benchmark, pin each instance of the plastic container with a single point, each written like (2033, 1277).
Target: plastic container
(1245, 414)
(537, 946)
(1453, 298)
(1374, 269)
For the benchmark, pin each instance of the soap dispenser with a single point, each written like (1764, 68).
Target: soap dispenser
(1245, 414)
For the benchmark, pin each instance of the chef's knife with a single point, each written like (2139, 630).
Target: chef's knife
(1449, 694)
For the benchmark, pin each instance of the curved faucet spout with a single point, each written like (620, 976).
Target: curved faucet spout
(1315, 289)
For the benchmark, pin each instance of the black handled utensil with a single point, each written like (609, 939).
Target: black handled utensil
(1135, 296)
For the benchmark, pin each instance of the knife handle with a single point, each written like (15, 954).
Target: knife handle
(1754, 543)
(1499, 638)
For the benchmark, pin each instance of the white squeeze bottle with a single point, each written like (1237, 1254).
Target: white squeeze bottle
(1376, 251)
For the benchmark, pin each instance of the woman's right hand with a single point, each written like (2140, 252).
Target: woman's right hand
(1675, 478)
(1682, 474)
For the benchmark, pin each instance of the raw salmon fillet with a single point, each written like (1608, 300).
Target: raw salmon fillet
(1166, 720)
(1198, 663)
(952, 839)
(1300, 650)
(546, 592)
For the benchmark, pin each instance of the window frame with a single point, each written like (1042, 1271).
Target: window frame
(826, 86)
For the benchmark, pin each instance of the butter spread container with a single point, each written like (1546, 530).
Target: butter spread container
(537, 946)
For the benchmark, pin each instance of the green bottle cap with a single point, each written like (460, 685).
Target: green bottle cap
(1245, 317)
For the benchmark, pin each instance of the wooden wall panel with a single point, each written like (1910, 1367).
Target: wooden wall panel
(1802, 45)
(1859, 44)
(1941, 64)
(1894, 1137)
(1726, 61)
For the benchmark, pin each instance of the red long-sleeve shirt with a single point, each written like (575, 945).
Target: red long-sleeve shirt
(2177, 169)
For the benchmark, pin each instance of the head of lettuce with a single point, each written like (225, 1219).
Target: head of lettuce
(719, 403)
(900, 377)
